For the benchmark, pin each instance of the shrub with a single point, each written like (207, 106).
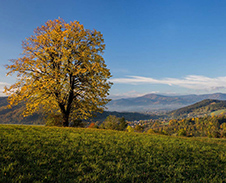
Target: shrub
(92, 125)
(114, 123)
(164, 132)
(54, 120)
(122, 124)
(223, 134)
(182, 132)
(139, 128)
(215, 134)
(151, 131)
(129, 129)
(77, 123)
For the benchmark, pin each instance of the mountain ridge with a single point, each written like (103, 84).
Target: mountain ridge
(14, 115)
(130, 108)
(150, 102)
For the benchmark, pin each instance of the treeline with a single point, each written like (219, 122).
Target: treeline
(111, 122)
(207, 126)
(130, 116)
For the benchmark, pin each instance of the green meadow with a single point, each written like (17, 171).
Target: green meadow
(53, 154)
(218, 112)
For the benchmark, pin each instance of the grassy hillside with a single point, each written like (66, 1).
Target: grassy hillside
(44, 154)
(199, 109)
(218, 112)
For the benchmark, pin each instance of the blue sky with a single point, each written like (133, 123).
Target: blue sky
(167, 47)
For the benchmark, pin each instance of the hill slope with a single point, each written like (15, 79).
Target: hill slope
(14, 115)
(42, 154)
(199, 109)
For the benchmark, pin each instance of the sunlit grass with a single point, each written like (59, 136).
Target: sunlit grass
(51, 154)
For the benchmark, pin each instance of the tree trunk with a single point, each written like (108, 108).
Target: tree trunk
(66, 120)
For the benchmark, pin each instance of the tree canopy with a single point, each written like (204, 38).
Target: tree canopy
(61, 70)
(115, 123)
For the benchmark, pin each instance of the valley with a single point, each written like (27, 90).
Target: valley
(153, 107)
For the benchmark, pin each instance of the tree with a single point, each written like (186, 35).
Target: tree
(93, 125)
(182, 132)
(54, 120)
(114, 123)
(139, 128)
(151, 131)
(61, 69)
(122, 124)
(129, 129)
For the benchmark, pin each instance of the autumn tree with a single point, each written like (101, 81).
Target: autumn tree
(129, 129)
(139, 128)
(61, 69)
(115, 123)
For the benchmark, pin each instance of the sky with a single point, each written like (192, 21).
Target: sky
(166, 47)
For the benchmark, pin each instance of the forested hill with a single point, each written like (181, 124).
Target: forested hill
(14, 115)
(204, 107)
(130, 116)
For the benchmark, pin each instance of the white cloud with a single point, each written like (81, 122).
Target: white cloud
(2, 85)
(129, 94)
(195, 82)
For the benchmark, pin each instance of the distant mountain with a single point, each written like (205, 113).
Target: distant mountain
(198, 109)
(196, 98)
(153, 102)
(130, 108)
(14, 115)
(3, 101)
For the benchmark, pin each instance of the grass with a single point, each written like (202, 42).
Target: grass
(51, 154)
(216, 113)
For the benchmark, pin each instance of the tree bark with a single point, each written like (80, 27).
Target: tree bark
(65, 120)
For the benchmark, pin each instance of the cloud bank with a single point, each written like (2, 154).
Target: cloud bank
(195, 82)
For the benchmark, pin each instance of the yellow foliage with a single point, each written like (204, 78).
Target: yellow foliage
(129, 129)
(62, 69)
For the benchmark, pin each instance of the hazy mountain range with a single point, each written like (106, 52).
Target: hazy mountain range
(125, 107)
(153, 102)
(14, 115)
